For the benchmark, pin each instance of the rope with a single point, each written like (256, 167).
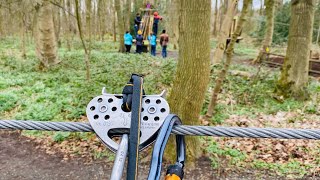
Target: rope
(216, 131)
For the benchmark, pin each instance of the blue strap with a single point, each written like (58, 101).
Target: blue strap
(160, 145)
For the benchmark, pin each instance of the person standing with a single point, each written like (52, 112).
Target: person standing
(128, 41)
(164, 40)
(137, 22)
(139, 42)
(153, 43)
(156, 19)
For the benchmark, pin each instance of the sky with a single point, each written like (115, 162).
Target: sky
(256, 3)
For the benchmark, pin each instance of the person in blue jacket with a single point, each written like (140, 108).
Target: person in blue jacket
(153, 43)
(128, 41)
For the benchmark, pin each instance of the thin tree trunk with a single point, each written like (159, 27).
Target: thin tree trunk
(193, 70)
(120, 25)
(57, 23)
(270, 8)
(318, 35)
(222, 74)
(294, 75)
(102, 15)
(114, 24)
(127, 15)
(221, 15)
(22, 30)
(261, 7)
(174, 19)
(86, 51)
(46, 45)
(223, 34)
(215, 19)
(66, 27)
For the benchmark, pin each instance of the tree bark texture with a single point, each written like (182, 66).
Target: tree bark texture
(229, 51)
(223, 34)
(121, 25)
(173, 25)
(215, 19)
(294, 75)
(127, 15)
(46, 45)
(193, 70)
(270, 8)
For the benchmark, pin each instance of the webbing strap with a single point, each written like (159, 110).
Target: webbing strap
(134, 136)
(160, 145)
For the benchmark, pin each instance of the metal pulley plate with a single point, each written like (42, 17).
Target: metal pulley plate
(106, 117)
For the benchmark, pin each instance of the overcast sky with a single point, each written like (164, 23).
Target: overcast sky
(256, 3)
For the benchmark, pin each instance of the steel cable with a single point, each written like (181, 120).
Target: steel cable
(215, 131)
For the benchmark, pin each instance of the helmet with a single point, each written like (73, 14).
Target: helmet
(155, 13)
(139, 32)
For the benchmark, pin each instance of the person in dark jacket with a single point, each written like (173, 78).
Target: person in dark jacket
(164, 40)
(139, 42)
(137, 22)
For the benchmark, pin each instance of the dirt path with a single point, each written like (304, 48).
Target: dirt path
(19, 159)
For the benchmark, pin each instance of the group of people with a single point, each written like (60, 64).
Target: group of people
(152, 38)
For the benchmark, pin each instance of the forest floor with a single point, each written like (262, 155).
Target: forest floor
(22, 158)
(62, 93)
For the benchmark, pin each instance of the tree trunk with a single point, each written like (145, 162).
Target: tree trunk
(294, 75)
(57, 23)
(66, 27)
(215, 19)
(86, 50)
(193, 70)
(318, 35)
(270, 8)
(102, 18)
(223, 34)
(46, 44)
(173, 25)
(127, 15)
(114, 24)
(261, 7)
(22, 17)
(120, 25)
(222, 74)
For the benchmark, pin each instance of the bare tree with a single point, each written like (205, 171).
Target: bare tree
(270, 8)
(223, 34)
(223, 73)
(86, 49)
(215, 19)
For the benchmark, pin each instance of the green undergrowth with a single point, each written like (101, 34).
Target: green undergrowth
(253, 94)
(227, 157)
(62, 93)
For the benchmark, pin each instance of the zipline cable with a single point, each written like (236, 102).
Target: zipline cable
(216, 131)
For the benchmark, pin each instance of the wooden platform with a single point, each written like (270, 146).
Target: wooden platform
(276, 60)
